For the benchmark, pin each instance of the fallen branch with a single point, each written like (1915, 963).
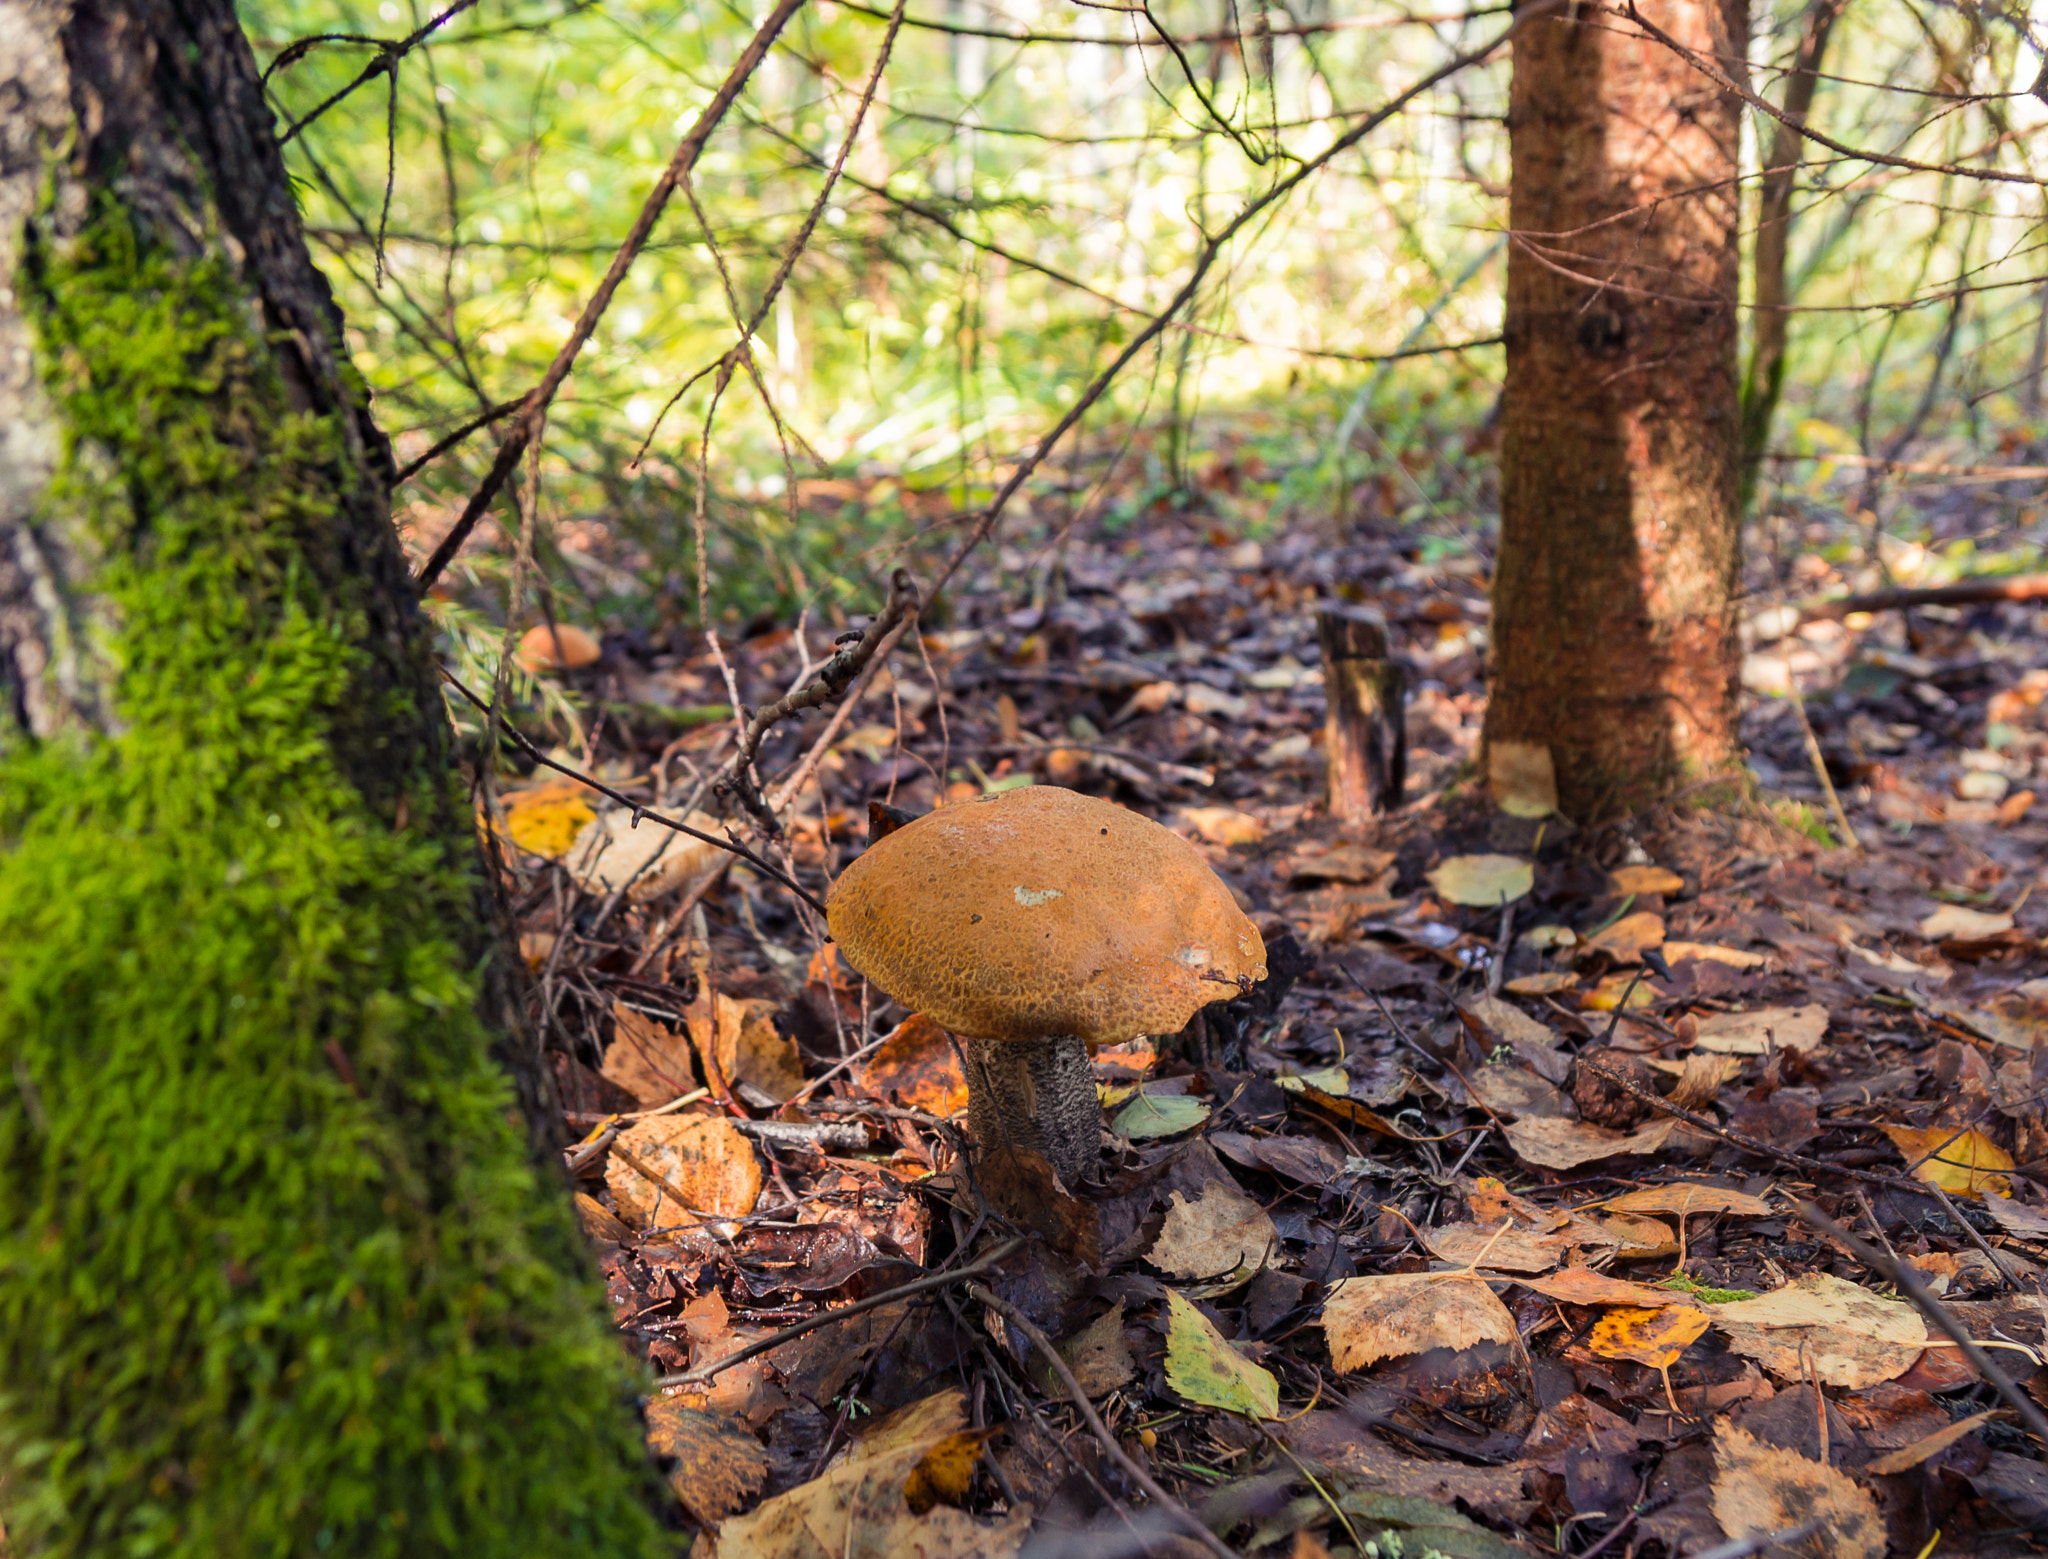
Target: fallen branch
(1191, 1523)
(1964, 592)
(923, 1285)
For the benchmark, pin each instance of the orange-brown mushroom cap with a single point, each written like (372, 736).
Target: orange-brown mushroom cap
(564, 647)
(1039, 912)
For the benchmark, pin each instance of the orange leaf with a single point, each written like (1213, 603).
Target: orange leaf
(1652, 1337)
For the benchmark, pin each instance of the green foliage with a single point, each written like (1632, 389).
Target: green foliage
(278, 1275)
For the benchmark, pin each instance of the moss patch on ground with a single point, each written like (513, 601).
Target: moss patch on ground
(277, 1273)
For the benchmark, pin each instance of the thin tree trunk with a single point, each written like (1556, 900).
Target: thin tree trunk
(1615, 639)
(1764, 382)
(278, 1271)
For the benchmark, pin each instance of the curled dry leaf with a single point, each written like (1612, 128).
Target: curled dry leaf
(1678, 952)
(1685, 1198)
(919, 1066)
(1954, 921)
(703, 1157)
(1655, 1336)
(1629, 937)
(1584, 1286)
(650, 1061)
(719, 1465)
(1373, 1318)
(1963, 1161)
(1549, 983)
(1927, 1447)
(1222, 1231)
(1099, 1354)
(1482, 881)
(1761, 1488)
(1765, 1028)
(745, 1046)
(1554, 1143)
(1224, 825)
(1498, 1249)
(1847, 1335)
(1202, 1366)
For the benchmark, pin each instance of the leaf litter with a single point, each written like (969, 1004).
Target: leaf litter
(1368, 1251)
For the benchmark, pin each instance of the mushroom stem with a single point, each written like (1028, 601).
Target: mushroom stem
(1038, 1096)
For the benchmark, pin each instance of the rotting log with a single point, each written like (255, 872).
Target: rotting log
(280, 1269)
(1365, 734)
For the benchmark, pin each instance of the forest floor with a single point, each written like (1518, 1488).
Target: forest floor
(1577, 1227)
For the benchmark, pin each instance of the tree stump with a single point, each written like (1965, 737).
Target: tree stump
(1365, 735)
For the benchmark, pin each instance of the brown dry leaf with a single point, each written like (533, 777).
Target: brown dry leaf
(1700, 1077)
(1522, 777)
(919, 1065)
(1761, 1488)
(918, 1425)
(1685, 1198)
(1100, 1355)
(1374, 1318)
(1953, 920)
(597, 1222)
(1965, 1163)
(1611, 992)
(1629, 937)
(747, 1047)
(649, 1061)
(1655, 1337)
(1928, 1446)
(1220, 1232)
(1633, 1236)
(1547, 984)
(1677, 952)
(1584, 1286)
(720, 1466)
(1514, 1090)
(1646, 879)
(1848, 1335)
(1497, 1249)
(1765, 1028)
(1492, 1021)
(1307, 1546)
(710, 1165)
(1225, 825)
(1553, 1143)
(1493, 1204)
(857, 1510)
(610, 853)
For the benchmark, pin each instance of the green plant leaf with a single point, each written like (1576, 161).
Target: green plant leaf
(1159, 1115)
(1203, 1367)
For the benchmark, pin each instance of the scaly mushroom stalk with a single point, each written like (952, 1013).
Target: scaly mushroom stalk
(1039, 924)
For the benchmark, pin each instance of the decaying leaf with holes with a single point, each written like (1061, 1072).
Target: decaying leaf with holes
(1371, 1318)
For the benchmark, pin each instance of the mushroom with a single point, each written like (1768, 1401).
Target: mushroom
(560, 647)
(1038, 924)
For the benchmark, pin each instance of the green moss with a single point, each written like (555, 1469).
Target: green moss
(277, 1274)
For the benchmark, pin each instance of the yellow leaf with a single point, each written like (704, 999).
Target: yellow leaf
(1963, 1161)
(1483, 881)
(1202, 1366)
(1522, 777)
(1627, 939)
(1653, 1337)
(946, 1473)
(1646, 879)
(546, 821)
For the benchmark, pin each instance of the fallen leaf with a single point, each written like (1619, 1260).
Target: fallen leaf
(1655, 1337)
(1765, 1028)
(1499, 1249)
(1493, 1204)
(1225, 825)
(1635, 1237)
(1482, 881)
(1963, 1161)
(1678, 952)
(1848, 1335)
(1220, 1232)
(647, 1059)
(648, 861)
(1686, 1198)
(1150, 1115)
(1512, 1091)
(1493, 1021)
(1549, 983)
(720, 1466)
(1612, 991)
(1584, 1286)
(857, 1510)
(1352, 863)
(1522, 777)
(1368, 1463)
(1373, 1318)
(1554, 1143)
(546, 820)
(704, 1157)
(917, 1426)
(1629, 937)
(1928, 1446)
(1325, 1079)
(1700, 1078)
(1203, 1367)
(597, 1221)
(1646, 879)
(1148, 700)
(918, 1065)
(1761, 1488)
(946, 1474)
(2018, 1218)
(1100, 1355)
(1953, 920)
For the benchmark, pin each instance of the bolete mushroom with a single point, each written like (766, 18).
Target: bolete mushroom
(562, 647)
(1038, 924)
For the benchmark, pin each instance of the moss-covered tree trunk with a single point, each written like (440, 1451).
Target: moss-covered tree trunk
(1614, 634)
(280, 1272)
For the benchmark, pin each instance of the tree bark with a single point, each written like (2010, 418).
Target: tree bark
(1764, 381)
(278, 1270)
(1365, 731)
(1615, 640)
